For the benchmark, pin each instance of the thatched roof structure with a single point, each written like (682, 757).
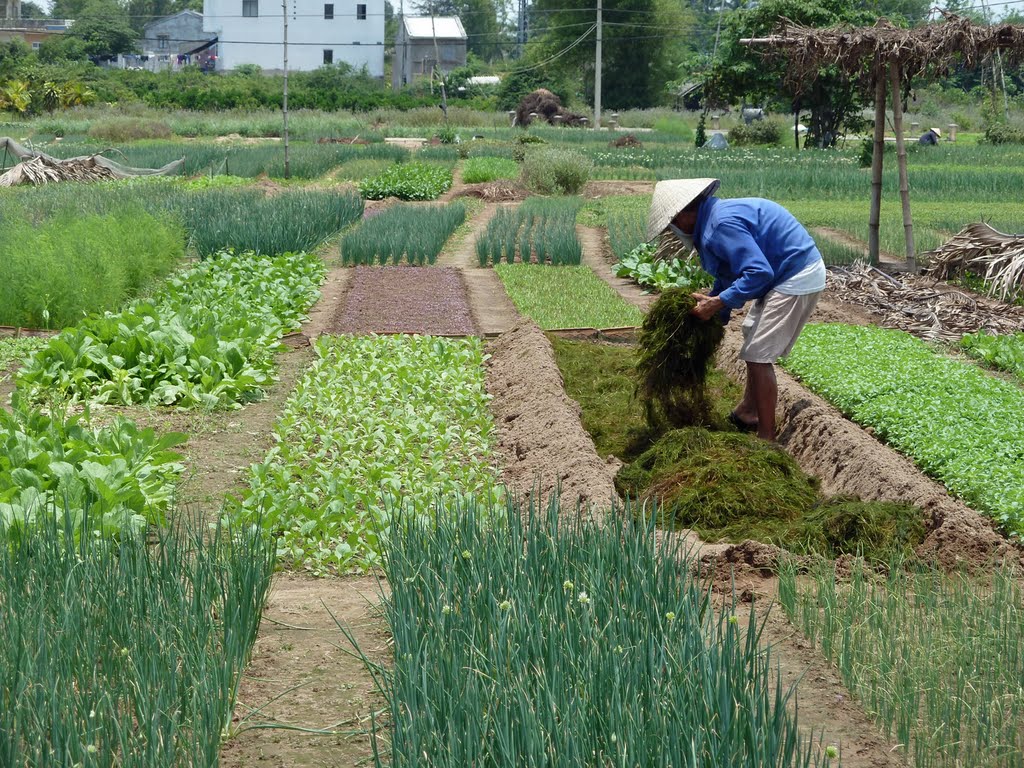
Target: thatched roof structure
(930, 49)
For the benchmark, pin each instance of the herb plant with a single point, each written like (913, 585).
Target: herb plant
(639, 266)
(403, 232)
(481, 169)
(1003, 352)
(126, 654)
(541, 230)
(537, 640)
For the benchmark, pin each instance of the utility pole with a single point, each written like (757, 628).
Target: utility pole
(597, 72)
(521, 33)
(284, 101)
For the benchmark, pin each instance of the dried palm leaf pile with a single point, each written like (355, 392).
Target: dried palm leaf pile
(980, 250)
(675, 353)
(924, 307)
(40, 168)
(43, 170)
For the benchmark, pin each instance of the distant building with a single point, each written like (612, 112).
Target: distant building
(33, 31)
(250, 32)
(422, 42)
(177, 34)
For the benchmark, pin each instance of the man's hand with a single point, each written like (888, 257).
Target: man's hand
(707, 306)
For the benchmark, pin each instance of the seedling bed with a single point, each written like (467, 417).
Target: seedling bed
(424, 300)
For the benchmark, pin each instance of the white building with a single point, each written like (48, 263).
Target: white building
(250, 32)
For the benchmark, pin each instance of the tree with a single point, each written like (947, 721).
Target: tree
(641, 39)
(103, 29)
(30, 10)
(746, 73)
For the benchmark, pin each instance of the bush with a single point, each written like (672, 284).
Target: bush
(481, 169)
(129, 129)
(1001, 133)
(550, 170)
(758, 132)
(408, 181)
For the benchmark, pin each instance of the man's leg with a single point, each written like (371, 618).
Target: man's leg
(765, 394)
(747, 409)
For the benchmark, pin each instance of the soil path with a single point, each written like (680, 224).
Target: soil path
(493, 311)
(302, 675)
(597, 255)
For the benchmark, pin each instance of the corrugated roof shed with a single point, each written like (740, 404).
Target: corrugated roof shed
(444, 27)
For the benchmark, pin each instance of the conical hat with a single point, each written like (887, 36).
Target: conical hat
(936, 131)
(670, 197)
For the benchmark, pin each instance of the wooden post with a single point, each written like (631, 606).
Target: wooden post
(876, 163)
(895, 81)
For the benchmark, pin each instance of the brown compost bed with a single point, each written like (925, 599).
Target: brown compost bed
(405, 299)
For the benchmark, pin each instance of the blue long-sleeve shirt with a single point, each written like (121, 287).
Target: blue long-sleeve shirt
(750, 245)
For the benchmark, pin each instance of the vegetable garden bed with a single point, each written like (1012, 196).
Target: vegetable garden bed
(541, 230)
(379, 425)
(960, 425)
(414, 233)
(425, 300)
(206, 340)
(566, 297)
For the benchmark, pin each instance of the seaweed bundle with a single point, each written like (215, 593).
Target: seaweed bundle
(675, 353)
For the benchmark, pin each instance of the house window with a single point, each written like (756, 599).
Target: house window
(328, 11)
(361, 12)
(35, 46)
(328, 56)
(250, 7)
(163, 42)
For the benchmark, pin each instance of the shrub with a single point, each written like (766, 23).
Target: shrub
(481, 169)
(550, 171)
(129, 129)
(758, 132)
(1002, 133)
(408, 181)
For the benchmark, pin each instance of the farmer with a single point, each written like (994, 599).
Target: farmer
(756, 251)
(930, 137)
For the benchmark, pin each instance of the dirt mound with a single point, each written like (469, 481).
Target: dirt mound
(494, 191)
(849, 461)
(542, 445)
(542, 103)
(629, 141)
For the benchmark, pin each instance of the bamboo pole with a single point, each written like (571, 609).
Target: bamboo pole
(876, 164)
(895, 81)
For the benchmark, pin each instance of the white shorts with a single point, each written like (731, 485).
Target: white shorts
(773, 324)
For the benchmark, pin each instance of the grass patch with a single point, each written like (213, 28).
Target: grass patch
(591, 643)
(602, 379)
(731, 487)
(599, 211)
(566, 297)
